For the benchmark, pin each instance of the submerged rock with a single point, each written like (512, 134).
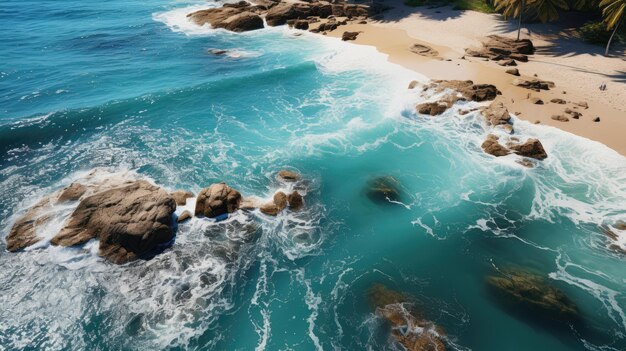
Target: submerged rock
(532, 292)
(407, 329)
(216, 200)
(384, 189)
(129, 221)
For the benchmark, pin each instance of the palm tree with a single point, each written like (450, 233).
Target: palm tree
(548, 10)
(512, 9)
(613, 12)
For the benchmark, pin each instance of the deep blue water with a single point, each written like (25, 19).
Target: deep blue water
(128, 86)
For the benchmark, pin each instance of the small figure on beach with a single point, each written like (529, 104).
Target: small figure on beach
(603, 86)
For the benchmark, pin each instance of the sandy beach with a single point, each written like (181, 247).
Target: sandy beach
(577, 69)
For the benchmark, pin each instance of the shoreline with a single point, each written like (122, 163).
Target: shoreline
(388, 39)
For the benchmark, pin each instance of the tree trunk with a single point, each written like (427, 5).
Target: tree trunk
(519, 24)
(606, 51)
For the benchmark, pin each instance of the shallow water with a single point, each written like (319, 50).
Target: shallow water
(128, 86)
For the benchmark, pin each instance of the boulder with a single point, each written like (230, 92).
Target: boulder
(534, 84)
(349, 36)
(383, 189)
(181, 196)
(432, 108)
(496, 47)
(295, 201)
(469, 90)
(237, 17)
(531, 148)
(557, 101)
(288, 176)
(491, 146)
(242, 22)
(270, 209)
(513, 71)
(532, 293)
(280, 200)
(496, 114)
(186, 215)
(130, 221)
(217, 200)
(301, 24)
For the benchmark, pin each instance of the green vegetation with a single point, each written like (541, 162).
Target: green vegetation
(474, 5)
(613, 12)
(595, 33)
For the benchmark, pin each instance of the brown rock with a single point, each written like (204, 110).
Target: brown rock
(72, 192)
(288, 176)
(491, 146)
(23, 233)
(560, 118)
(597, 119)
(534, 84)
(513, 71)
(531, 148)
(130, 221)
(496, 114)
(186, 215)
(558, 101)
(217, 200)
(280, 200)
(270, 209)
(295, 201)
(508, 62)
(349, 36)
(469, 90)
(238, 17)
(536, 101)
(181, 196)
(497, 47)
(413, 84)
(432, 108)
(582, 104)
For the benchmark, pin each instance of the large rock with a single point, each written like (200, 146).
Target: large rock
(130, 221)
(533, 84)
(217, 200)
(491, 146)
(288, 176)
(296, 201)
(432, 108)
(469, 90)
(531, 148)
(281, 13)
(496, 114)
(531, 292)
(496, 47)
(238, 17)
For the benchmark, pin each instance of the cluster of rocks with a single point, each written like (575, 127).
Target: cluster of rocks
(407, 328)
(244, 16)
(531, 148)
(533, 84)
(132, 219)
(504, 50)
(453, 91)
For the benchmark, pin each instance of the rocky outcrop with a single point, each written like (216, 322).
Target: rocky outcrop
(295, 200)
(281, 13)
(407, 328)
(239, 17)
(496, 114)
(288, 176)
(349, 36)
(432, 108)
(491, 146)
(280, 201)
(181, 196)
(532, 293)
(129, 221)
(533, 84)
(496, 47)
(216, 200)
(531, 148)
(72, 193)
(383, 189)
(468, 90)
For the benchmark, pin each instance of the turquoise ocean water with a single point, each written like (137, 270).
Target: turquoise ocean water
(128, 86)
